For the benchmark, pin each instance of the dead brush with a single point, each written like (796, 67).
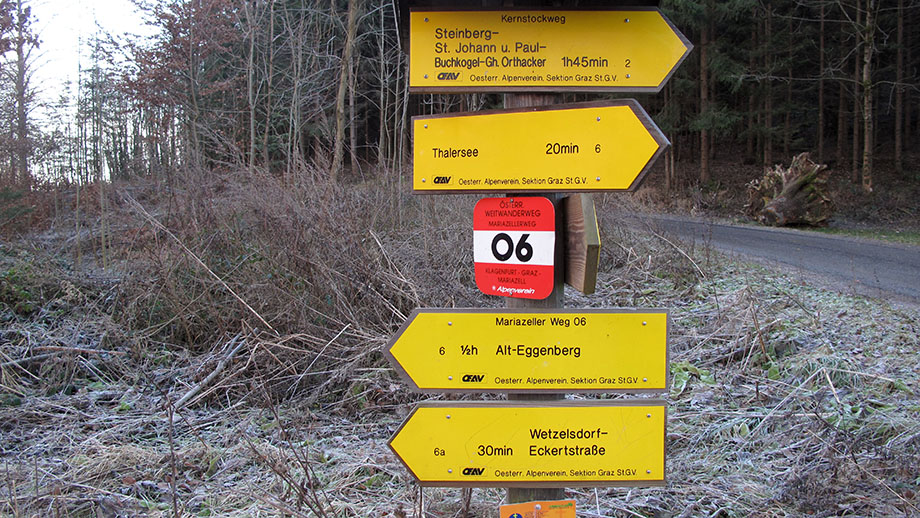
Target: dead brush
(788, 399)
(640, 265)
(319, 274)
(303, 493)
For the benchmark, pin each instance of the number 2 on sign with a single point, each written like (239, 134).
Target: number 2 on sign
(523, 251)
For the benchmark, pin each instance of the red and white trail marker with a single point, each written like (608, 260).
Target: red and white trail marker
(513, 246)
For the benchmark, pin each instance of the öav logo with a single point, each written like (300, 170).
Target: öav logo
(473, 471)
(440, 180)
(473, 378)
(448, 76)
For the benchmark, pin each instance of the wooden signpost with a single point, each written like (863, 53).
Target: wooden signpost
(533, 350)
(601, 146)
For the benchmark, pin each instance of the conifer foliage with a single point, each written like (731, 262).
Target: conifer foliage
(770, 79)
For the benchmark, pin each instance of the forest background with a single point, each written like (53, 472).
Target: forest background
(273, 85)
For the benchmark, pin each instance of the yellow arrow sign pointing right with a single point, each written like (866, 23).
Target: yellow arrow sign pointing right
(602, 146)
(545, 50)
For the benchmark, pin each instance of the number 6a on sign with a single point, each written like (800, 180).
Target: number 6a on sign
(513, 245)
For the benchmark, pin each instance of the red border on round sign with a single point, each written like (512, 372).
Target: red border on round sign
(514, 247)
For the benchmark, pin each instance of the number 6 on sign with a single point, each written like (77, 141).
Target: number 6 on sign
(513, 245)
(523, 251)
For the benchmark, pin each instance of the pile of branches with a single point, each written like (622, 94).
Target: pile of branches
(791, 196)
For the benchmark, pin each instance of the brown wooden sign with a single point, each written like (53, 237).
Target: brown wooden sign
(582, 242)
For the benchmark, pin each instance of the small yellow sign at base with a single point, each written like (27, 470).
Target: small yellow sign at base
(540, 509)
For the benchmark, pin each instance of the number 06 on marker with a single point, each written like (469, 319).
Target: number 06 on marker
(513, 245)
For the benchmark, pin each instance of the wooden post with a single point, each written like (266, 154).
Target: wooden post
(556, 299)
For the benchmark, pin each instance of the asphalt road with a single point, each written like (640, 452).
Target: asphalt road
(863, 266)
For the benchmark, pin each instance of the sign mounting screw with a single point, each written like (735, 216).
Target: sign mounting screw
(426, 76)
(450, 378)
(624, 21)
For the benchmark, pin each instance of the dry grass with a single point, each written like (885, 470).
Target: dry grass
(256, 313)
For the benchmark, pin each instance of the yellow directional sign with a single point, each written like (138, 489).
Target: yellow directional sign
(529, 350)
(576, 443)
(580, 147)
(546, 50)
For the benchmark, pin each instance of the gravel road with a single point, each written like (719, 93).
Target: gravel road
(863, 266)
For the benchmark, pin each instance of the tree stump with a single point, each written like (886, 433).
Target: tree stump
(791, 196)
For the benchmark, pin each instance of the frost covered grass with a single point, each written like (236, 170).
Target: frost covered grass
(786, 399)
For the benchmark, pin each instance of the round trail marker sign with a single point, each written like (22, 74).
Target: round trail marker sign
(514, 241)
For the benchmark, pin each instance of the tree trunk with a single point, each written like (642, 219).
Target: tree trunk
(787, 122)
(841, 125)
(854, 163)
(768, 94)
(668, 172)
(353, 121)
(705, 175)
(338, 153)
(382, 78)
(21, 92)
(403, 126)
(293, 146)
(821, 86)
(868, 50)
(250, 86)
(749, 149)
(194, 154)
(269, 73)
(672, 160)
(909, 56)
(899, 95)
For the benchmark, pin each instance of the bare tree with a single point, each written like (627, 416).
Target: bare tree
(868, 42)
(899, 94)
(347, 53)
(24, 42)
